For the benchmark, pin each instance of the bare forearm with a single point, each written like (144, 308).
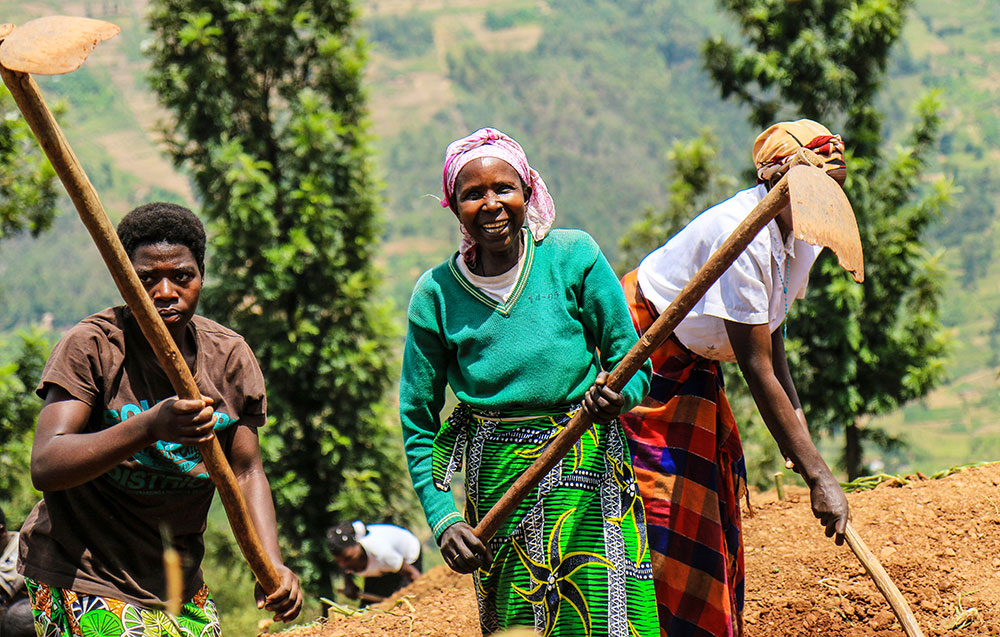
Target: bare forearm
(761, 357)
(256, 492)
(785, 426)
(409, 571)
(781, 370)
(68, 460)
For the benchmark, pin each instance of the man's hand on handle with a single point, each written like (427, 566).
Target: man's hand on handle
(286, 601)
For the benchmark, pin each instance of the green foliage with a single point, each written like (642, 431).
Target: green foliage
(697, 184)
(857, 350)
(270, 121)
(402, 36)
(21, 364)
(38, 285)
(27, 188)
(27, 202)
(608, 86)
(500, 19)
(822, 57)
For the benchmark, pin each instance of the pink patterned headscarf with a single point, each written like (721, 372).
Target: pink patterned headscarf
(489, 142)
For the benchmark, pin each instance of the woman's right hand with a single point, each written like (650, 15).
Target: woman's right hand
(829, 505)
(462, 550)
(184, 421)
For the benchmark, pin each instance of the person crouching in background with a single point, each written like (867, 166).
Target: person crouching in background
(386, 556)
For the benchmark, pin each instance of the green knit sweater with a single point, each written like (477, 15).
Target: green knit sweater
(565, 320)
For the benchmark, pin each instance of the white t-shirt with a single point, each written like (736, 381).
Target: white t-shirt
(388, 547)
(751, 291)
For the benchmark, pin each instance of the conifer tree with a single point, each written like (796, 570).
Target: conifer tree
(269, 118)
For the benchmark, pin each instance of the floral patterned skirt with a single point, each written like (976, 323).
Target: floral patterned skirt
(64, 613)
(572, 559)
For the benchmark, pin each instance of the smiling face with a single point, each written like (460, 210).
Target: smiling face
(170, 274)
(490, 201)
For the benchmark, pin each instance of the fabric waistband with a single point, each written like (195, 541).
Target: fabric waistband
(520, 416)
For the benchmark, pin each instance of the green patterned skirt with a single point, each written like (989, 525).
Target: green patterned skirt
(572, 560)
(65, 613)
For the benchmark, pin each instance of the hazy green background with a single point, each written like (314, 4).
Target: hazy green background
(597, 92)
(602, 91)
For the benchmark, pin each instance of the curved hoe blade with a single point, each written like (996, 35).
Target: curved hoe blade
(54, 44)
(822, 216)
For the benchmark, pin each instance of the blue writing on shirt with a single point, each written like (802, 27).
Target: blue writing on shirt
(170, 463)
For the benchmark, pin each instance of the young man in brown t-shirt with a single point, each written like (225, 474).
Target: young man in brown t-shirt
(117, 459)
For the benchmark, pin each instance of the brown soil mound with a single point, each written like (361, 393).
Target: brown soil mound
(938, 539)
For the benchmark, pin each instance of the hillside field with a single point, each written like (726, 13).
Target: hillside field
(939, 540)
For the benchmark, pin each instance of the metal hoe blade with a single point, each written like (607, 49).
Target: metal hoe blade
(822, 216)
(54, 44)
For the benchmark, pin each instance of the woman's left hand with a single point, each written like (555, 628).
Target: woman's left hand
(286, 602)
(601, 402)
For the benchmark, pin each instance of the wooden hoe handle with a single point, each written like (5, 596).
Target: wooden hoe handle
(29, 99)
(655, 336)
(884, 584)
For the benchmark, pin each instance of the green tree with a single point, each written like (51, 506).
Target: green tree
(27, 181)
(19, 409)
(697, 183)
(857, 350)
(270, 120)
(27, 202)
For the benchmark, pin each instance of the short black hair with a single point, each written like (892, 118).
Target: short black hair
(3, 518)
(341, 537)
(162, 222)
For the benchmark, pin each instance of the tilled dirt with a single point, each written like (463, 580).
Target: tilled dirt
(939, 540)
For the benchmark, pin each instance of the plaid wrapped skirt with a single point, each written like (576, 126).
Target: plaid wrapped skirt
(689, 465)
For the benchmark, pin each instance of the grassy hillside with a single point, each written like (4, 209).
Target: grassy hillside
(597, 90)
(953, 46)
(109, 117)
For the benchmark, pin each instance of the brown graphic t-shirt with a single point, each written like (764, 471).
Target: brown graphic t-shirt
(103, 537)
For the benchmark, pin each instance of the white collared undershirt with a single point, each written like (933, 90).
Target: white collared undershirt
(497, 287)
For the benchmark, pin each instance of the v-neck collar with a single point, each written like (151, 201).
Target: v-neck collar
(522, 280)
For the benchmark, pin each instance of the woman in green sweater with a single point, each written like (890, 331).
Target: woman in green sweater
(521, 323)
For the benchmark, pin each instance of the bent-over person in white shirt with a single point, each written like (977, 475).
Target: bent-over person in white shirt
(386, 556)
(685, 445)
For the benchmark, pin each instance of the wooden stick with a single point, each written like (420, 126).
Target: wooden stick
(883, 583)
(779, 485)
(656, 335)
(29, 99)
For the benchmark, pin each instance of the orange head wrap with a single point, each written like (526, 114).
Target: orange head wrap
(775, 146)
